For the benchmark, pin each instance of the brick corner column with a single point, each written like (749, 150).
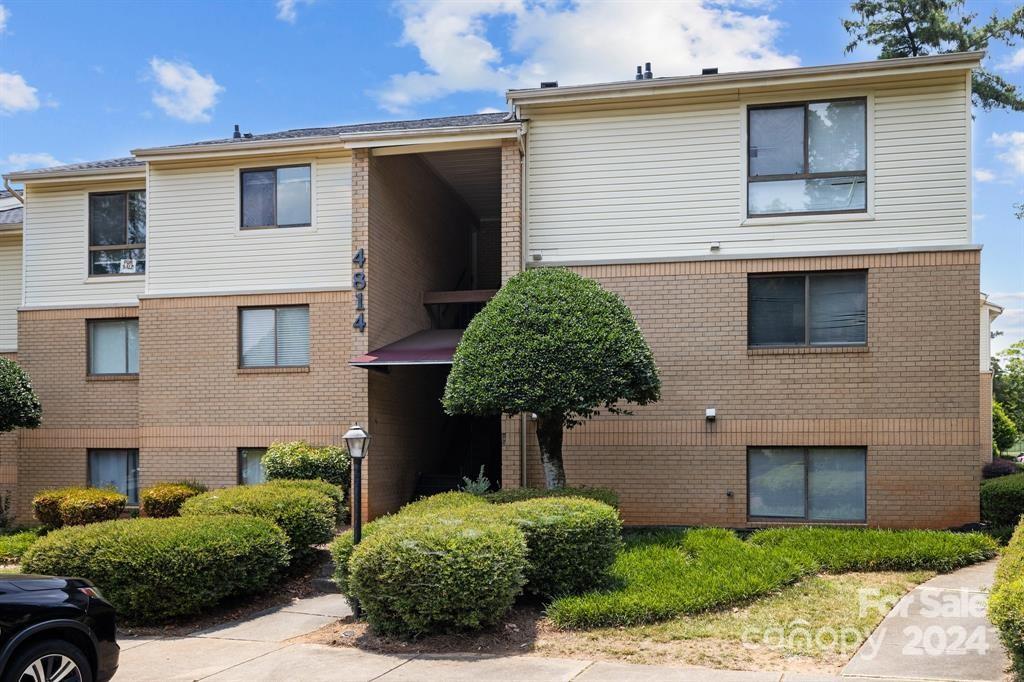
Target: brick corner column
(511, 210)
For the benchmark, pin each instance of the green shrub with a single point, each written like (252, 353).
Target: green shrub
(571, 543)
(1002, 500)
(155, 569)
(664, 574)
(165, 499)
(1004, 431)
(14, 545)
(332, 491)
(19, 406)
(1006, 601)
(504, 496)
(76, 506)
(306, 516)
(299, 459)
(424, 575)
(840, 550)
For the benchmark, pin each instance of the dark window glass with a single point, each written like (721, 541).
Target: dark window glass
(258, 189)
(117, 469)
(816, 484)
(117, 220)
(776, 311)
(807, 158)
(820, 309)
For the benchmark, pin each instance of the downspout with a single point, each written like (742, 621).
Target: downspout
(14, 192)
(520, 134)
(522, 450)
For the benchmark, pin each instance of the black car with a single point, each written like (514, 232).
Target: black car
(55, 630)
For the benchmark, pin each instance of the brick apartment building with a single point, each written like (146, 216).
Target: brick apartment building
(795, 244)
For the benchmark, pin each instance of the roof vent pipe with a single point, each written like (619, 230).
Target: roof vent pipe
(639, 73)
(237, 135)
(709, 71)
(549, 84)
(647, 71)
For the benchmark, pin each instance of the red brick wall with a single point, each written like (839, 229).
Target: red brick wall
(910, 396)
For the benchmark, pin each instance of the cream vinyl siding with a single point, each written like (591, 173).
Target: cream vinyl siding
(10, 290)
(668, 180)
(56, 243)
(196, 245)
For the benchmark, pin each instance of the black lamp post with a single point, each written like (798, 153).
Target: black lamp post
(358, 442)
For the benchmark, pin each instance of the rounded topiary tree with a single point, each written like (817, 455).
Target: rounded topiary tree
(19, 406)
(555, 344)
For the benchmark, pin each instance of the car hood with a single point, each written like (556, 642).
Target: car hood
(36, 583)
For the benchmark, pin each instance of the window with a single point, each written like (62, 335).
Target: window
(117, 469)
(117, 233)
(113, 346)
(276, 197)
(250, 465)
(274, 337)
(820, 309)
(807, 158)
(814, 484)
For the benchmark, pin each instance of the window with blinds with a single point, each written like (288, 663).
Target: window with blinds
(113, 346)
(274, 337)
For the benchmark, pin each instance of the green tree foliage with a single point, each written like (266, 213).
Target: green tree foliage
(557, 345)
(911, 28)
(1004, 432)
(1008, 383)
(19, 407)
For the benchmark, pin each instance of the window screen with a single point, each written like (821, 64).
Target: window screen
(815, 484)
(815, 309)
(274, 337)
(117, 469)
(807, 158)
(113, 346)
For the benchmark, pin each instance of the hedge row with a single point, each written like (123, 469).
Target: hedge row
(453, 561)
(155, 569)
(1006, 601)
(1002, 500)
(606, 495)
(75, 506)
(164, 500)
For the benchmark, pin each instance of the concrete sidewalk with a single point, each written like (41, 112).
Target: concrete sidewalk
(258, 649)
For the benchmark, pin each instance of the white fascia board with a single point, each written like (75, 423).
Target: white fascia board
(80, 175)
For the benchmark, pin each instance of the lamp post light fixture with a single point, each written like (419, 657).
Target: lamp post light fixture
(358, 442)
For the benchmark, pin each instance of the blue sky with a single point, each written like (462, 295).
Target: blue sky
(90, 80)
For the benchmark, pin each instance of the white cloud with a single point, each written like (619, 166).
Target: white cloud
(570, 43)
(1014, 62)
(984, 175)
(1012, 144)
(286, 9)
(184, 93)
(978, 217)
(16, 94)
(489, 110)
(25, 160)
(5, 14)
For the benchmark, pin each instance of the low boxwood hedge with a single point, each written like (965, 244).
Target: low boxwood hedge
(14, 545)
(424, 576)
(162, 500)
(306, 516)
(332, 491)
(300, 460)
(571, 542)
(1002, 500)
(840, 550)
(1006, 601)
(155, 569)
(75, 506)
(505, 496)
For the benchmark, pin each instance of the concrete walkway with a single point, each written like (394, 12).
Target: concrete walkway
(938, 631)
(258, 649)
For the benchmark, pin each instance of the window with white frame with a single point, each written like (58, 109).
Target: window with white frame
(276, 197)
(274, 337)
(113, 346)
(807, 158)
(811, 484)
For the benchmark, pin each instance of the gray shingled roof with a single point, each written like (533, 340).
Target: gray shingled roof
(10, 216)
(378, 127)
(123, 162)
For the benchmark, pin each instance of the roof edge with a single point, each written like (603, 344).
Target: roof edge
(633, 88)
(31, 176)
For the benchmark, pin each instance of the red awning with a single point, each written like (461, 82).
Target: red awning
(430, 347)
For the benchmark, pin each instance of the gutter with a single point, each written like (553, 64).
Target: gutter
(117, 171)
(14, 192)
